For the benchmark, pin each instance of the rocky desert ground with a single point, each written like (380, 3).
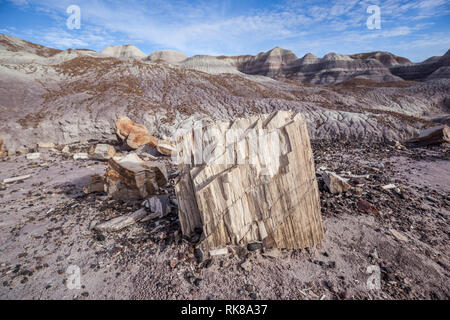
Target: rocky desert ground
(384, 197)
(47, 225)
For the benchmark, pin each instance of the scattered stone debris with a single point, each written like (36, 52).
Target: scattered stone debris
(15, 179)
(130, 178)
(160, 246)
(431, 136)
(122, 221)
(95, 184)
(334, 183)
(215, 198)
(102, 152)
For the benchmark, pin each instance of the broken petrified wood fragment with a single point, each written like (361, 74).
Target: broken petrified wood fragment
(137, 135)
(95, 184)
(335, 183)
(15, 179)
(432, 136)
(121, 222)
(257, 183)
(158, 205)
(102, 152)
(133, 134)
(131, 178)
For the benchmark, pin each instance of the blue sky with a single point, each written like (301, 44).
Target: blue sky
(414, 29)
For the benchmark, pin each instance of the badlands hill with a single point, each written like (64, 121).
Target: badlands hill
(432, 68)
(48, 95)
(334, 68)
(126, 51)
(169, 56)
(330, 69)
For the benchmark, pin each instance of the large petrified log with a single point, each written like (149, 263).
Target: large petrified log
(432, 136)
(255, 182)
(130, 177)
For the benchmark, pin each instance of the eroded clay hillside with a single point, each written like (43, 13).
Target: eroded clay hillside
(48, 95)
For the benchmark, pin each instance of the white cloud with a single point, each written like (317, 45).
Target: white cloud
(19, 2)
(209, 28)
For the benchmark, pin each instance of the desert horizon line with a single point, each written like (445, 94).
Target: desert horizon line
(224, 55)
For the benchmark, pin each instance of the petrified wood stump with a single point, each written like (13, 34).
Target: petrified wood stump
(256, 183)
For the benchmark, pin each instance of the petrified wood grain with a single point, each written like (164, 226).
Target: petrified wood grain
(237, 196)
(130, 177)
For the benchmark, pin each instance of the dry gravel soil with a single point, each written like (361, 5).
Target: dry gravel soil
(46, 226)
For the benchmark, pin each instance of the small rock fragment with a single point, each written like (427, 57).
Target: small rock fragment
(102, 152)
(398, 235)
(81, 156)
(15, 179)
(66, 149)
(246, 265)
(173, 263)
(33, 156)
(366, 207)
(95, 184)
(335, 183)
(198, 282)
(218, 252)
(198, 254)
(100, 237)
(158, 205)
(254, 246)
(389, 186)
(46, 145)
